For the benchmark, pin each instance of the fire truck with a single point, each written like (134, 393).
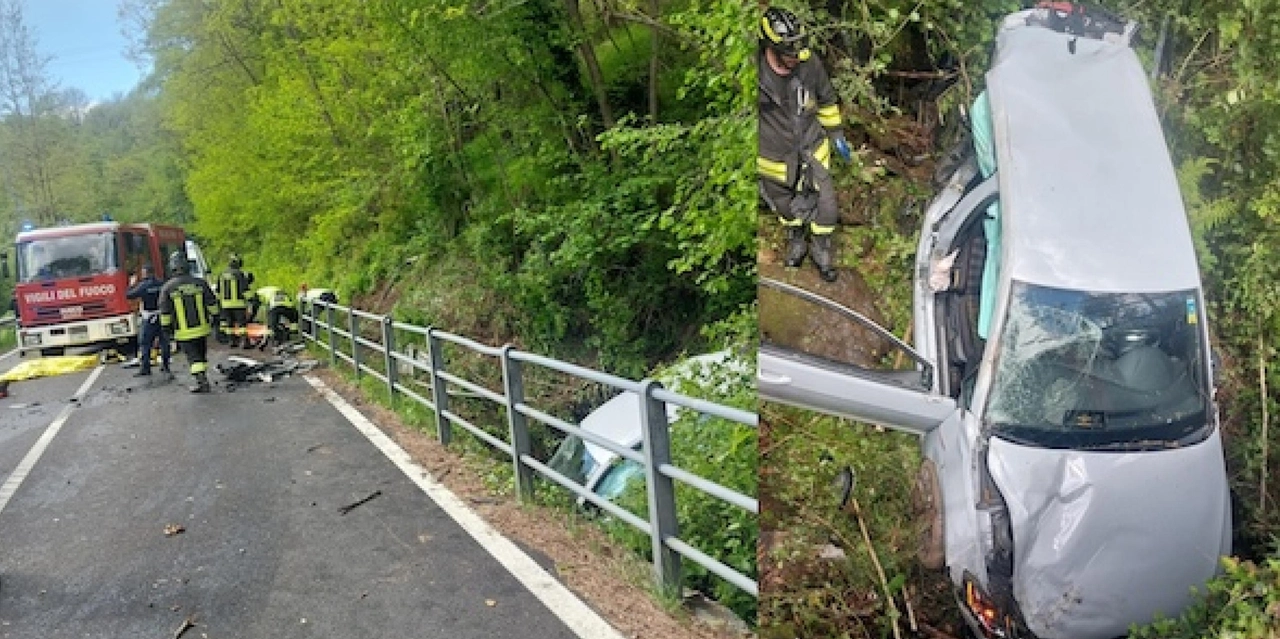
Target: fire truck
(71, 281)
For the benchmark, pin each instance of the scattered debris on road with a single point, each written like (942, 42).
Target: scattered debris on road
(187, 624)
(174, 529)
(350, 507)
(239, 369)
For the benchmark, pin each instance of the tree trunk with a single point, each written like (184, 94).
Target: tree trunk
(654, 46)
(588, 53)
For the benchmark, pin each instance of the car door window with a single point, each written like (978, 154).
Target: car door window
(818, 354)
(809, 327)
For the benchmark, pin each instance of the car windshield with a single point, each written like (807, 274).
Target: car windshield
(1100, 370)
(69, 256)
(572, 460)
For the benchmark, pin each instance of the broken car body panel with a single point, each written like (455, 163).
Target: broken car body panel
(1103, 539)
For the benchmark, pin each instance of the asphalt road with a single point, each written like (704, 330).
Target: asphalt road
(256, 479)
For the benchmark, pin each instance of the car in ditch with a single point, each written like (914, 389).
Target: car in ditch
(606, 473)
(1060, 377)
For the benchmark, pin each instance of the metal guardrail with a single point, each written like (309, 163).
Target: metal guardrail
(345, 342)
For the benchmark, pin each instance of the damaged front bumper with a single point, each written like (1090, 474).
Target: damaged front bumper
(1103, 540)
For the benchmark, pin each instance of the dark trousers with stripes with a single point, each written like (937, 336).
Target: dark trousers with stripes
(197, 352)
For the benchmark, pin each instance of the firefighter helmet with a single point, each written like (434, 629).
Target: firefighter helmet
(781, 31)
(178, 263)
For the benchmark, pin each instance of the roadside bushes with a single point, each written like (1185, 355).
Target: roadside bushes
(1242, 603)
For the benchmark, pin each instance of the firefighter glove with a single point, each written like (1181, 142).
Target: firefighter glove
(841, 145)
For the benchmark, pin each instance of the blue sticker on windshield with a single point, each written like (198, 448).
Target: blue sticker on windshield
(1192, 316)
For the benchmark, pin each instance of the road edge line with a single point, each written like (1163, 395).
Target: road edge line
(575, 613)
(19, 474)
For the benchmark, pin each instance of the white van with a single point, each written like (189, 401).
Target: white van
(1061, 383)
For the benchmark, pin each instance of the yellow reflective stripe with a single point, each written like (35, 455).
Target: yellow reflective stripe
(790, 222)
(823, 153)
(776, 171)
(179, 313)
(199, 367)
(768, 30)
(818, 229)
(829, 116)
(804, 55)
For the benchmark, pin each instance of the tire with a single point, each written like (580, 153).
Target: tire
(927, 499)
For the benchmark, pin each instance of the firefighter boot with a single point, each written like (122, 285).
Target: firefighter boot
(796, 247)
(202, 383)
(822, 252)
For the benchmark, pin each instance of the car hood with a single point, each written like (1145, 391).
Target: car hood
(1103, 540)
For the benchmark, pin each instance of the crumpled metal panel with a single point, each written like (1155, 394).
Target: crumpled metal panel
(1103, 540)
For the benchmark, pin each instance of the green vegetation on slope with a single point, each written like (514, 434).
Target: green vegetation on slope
(583, 169)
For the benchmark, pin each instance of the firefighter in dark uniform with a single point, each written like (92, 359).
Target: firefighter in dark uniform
(800, 123)
(147, 289)
(189, 310)
(233, 296)
(281, 311)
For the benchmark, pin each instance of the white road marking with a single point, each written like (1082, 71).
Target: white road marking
(560, 600)
(20, 473)
(9, 354)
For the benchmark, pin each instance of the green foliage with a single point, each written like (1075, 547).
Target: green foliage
(719, 449)
(1240, 603)
(806, 595)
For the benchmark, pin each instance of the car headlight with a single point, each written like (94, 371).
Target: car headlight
(30, 339)
(119, 327)
(993, 623)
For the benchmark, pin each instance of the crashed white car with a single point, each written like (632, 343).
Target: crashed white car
(1061, 377)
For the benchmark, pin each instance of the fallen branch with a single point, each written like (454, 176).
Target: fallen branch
(934, 633)
(894, 613)
(1266, 419)
(350, 507)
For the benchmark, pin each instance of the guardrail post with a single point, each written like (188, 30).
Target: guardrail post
(333, 351)
(662, 492)
(389, 347)
(311, 311)
(513, 382)
(439, 392)
(355, 344)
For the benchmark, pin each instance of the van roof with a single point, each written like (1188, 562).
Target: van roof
(1088, 195)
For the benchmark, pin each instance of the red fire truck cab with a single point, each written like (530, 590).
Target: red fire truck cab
(71, 281)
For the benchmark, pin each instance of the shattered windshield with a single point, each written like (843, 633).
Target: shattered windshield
(1079, 369)
(572, 460)
(69, 256)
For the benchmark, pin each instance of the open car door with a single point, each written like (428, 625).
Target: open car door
(818, 354)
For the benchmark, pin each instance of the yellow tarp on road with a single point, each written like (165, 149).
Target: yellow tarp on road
(49, 367)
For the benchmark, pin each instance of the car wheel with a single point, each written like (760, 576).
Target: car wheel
(927, 499)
